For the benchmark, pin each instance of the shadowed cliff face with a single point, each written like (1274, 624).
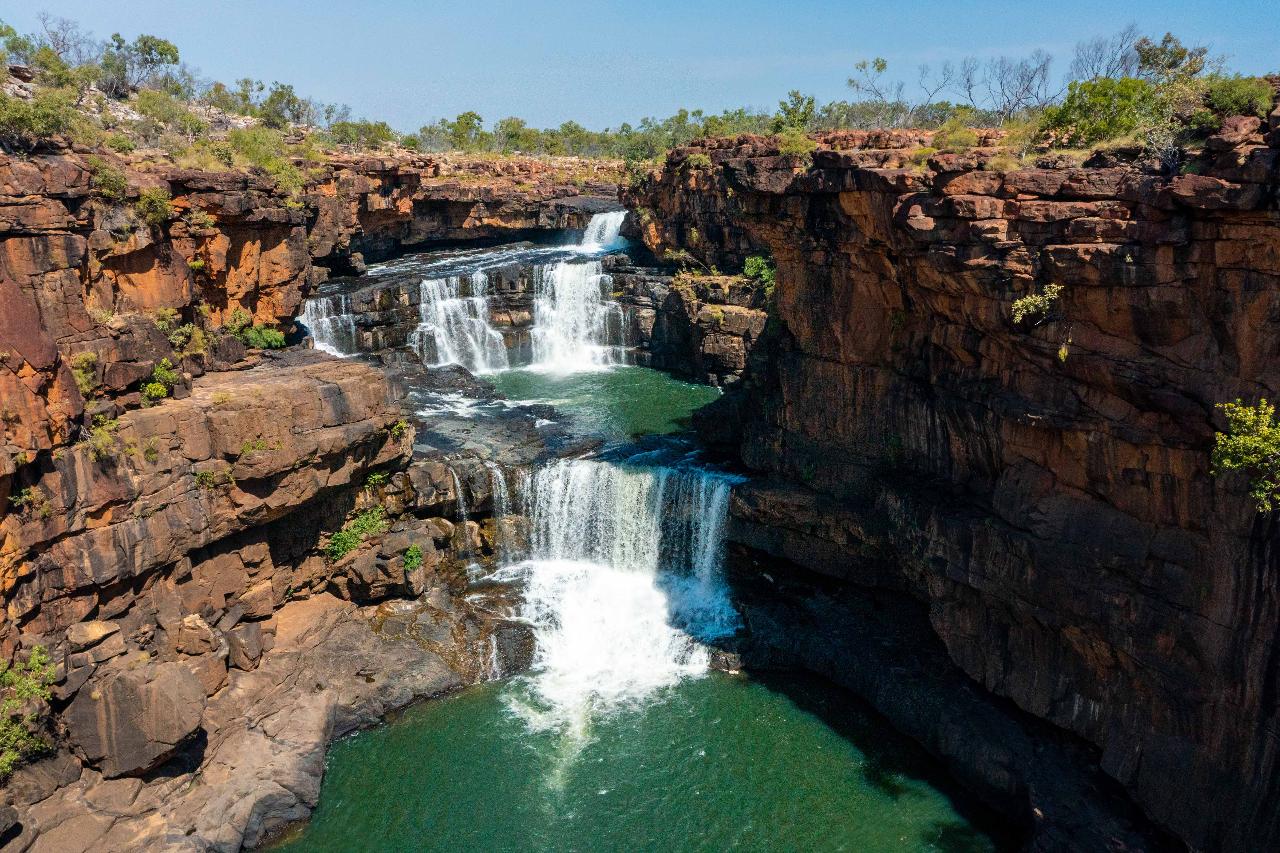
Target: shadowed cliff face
(1044, 486)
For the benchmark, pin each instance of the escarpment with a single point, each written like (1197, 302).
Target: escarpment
(1041, 487)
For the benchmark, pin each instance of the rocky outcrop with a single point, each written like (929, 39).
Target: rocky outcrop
(1042, 487)
(85, 277)
(702, 327)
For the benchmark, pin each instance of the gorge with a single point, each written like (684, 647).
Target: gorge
(838, 552)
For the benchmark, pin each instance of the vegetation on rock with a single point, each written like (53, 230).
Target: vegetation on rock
(24, 701)
(1036, 304)
(1251, 444)
(370, 522)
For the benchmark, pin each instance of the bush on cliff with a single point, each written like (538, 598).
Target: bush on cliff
(1251, 444)
(24, 701)
(107, 181)
(1238, 96)
(1097, 110)
(153, 206)
(23, 124)
(370, 522)
(1036, 304)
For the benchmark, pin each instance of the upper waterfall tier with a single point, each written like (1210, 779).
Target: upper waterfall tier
(485, 310)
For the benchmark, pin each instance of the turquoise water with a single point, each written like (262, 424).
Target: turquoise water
(714, 763)
(615, 403)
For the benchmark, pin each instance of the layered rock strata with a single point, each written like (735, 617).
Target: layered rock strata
(1043, 487)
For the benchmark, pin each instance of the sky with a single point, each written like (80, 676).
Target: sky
(603, 63)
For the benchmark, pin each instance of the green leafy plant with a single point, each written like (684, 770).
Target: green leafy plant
(165, 319)
(1238, 96)
(163, 378)
(1251, 444)
(412, 558)
(107, 181)
(1097, 110)
(955, 135)
(697, 160)
(1036, 304)
(24, 700)
(102, 440)
(120, 143)
(370, 522)
(84, 369)
(210, 480)
(399, 429)
(793, 142)
(376, 479)
(761, 270)
(153, 206)
(24, 124)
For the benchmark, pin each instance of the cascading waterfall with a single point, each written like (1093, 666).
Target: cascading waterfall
(332, 325)
(623, 580)
(602, 231)
(501, 510)
(575, 327)
(454, 328)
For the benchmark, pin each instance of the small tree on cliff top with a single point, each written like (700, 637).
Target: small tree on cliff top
(1251, 444)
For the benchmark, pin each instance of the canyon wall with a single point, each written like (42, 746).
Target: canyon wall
(1042, 487)
(176, 557)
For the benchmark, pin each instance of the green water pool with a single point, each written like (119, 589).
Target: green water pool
(617, 403)
(714, 763)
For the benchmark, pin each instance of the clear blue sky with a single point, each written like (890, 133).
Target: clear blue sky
(601, 63)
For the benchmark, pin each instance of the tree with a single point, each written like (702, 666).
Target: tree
(466, 132)
(795, 113)
(1104, 56)
(127, 66)
(73, 45)
(17, 48)
(283, 107)
(1169, 60)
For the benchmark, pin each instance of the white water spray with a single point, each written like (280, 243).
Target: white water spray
(332, 325)
(454, 325)
(623, 581)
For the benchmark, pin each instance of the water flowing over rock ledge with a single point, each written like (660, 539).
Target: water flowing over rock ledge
(1042, 488)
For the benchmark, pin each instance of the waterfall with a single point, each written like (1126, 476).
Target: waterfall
(454, 328)
(501, 510)
(331, 323)
(574, 326)
(602, 231)
(623, 580)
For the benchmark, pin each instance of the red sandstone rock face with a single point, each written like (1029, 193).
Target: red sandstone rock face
(1043, 486)
(80, 276)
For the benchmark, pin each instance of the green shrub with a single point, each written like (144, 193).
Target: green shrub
(165, 374)
(376, 479)
(264, 149)
(795, 143)
(370, 522)
(697, 160)
(1036, 304)
(1098, 110)
(412, 558)
(761, 270)
(1238, 96)
(84, 369)
(261, 337)
(196, 265)
(153, 206)
(120, 143)
(399, 429)
(102, 441)
(1251, 444)
(50, 113)
(24, 700)
(361, 134)
(165, 319)
(210, 480)
(154, 392)
(955, 135)
(107, 181)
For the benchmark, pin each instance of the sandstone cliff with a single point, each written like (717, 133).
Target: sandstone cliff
(1042, 487)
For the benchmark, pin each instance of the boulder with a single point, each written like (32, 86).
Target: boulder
(132, 720)
(82, 635)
